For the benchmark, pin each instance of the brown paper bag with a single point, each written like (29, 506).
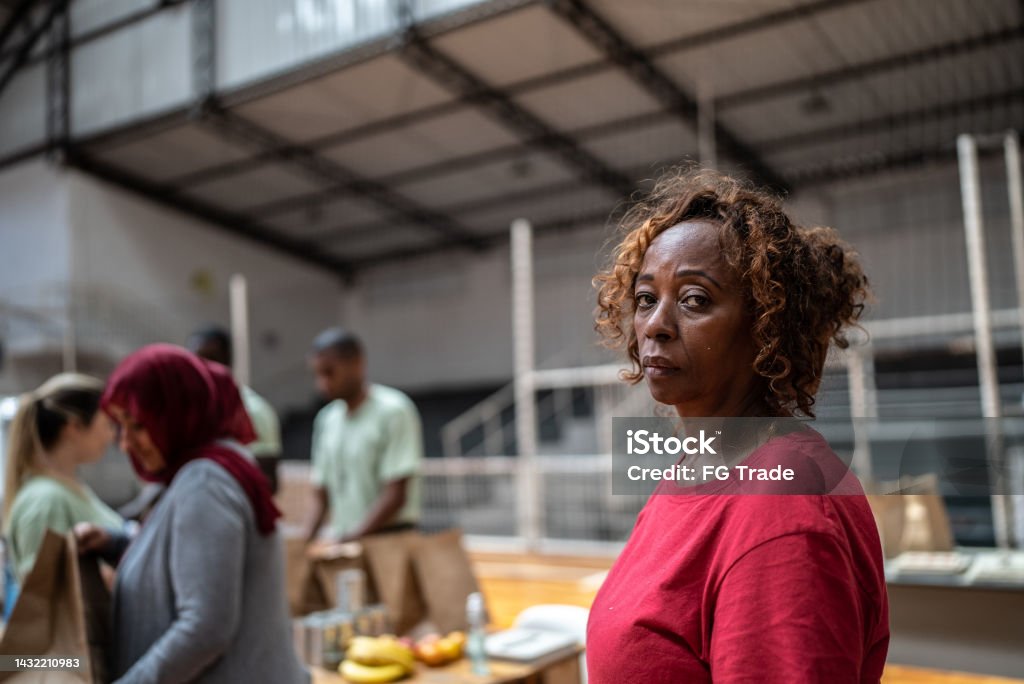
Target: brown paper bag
(888, 512)
(389, 558)
(323, 588)
(300, 585)
(445, 577)
(912, 516)
(60, 614)
(310, 581)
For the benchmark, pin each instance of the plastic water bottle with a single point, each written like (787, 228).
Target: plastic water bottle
(476, 616)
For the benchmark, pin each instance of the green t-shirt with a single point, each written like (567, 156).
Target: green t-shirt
(355, 455)
(264, 422)
(47, 503)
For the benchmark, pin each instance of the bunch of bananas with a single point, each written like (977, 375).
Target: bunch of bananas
(370, 660)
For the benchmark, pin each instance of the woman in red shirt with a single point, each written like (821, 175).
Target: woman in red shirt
(727, 309)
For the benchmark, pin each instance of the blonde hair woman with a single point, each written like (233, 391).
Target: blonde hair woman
(57, 428)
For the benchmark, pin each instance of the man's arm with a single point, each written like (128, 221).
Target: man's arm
(316, 513)
(388, 503)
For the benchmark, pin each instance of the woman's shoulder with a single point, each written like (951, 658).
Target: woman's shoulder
(41, 491)
(204, 480)
(204, 473)
(41, 498)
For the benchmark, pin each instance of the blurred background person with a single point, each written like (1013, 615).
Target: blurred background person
(728, 309)
(57, 428)
(367, 446)
(213, 343)
(200, 592)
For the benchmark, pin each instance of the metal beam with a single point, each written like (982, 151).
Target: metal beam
(234, 127)
(890, 122)
(378, 127)
(228, 221)
(13, 21)
(25, 49)
(873, 163)
(832, 78)
(102, 31)
(204, 51)
(605, 38)
(481, 204)
(553, 226)
(461, 163)
(58, 86)
(442, 69)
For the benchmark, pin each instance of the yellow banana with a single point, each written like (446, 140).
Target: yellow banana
(370, 674)
(370, 651)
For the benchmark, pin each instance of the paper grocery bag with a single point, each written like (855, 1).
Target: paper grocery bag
(389, 559)
(329, 563)
(445, 575)
(888, 512)
(912, 516)
(62, 611)
(302, 588)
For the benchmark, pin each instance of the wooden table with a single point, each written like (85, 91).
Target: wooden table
(562, 669)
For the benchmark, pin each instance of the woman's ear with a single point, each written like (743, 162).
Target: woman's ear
(73, 428)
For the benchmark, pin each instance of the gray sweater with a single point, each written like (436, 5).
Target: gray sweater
(200, 593)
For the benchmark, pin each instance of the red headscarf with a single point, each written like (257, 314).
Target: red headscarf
(186, 404)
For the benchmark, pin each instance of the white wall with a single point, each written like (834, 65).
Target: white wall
(446, 320)
(33, 207)
(34, 261)
(163, 273)
(140, 273)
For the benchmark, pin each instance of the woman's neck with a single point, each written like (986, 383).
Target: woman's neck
(63, 462)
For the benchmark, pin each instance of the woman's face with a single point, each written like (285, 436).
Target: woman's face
(135, 440)
(692, 327)
(92, 440)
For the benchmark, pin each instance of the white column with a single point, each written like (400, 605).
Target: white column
(239, 291)
(529, 483)
(970, 187)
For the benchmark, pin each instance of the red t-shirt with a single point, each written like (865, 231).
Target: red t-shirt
(747, 588)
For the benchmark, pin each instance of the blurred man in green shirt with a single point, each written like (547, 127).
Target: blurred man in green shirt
(367, 446)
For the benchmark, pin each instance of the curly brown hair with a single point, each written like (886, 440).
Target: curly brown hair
(803, 286)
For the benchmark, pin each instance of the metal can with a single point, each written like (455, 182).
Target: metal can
(350, 590)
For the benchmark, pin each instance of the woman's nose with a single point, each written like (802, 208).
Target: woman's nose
(662, 324)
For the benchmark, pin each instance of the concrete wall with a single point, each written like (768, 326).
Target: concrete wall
(164, 273)
(137, 273)
(34, 262)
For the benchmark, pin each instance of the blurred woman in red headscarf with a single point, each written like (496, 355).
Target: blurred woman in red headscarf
(200, 592)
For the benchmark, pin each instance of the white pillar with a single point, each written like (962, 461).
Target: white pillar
(1011, 147)
(706, 142)
(529, 483)
(970, 187)
(239, 291)
(860, 378)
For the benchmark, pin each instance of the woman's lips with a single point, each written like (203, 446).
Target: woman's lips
(659, 371)
(658, 367)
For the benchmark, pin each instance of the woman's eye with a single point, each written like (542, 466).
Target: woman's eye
(644, 300)
(694, 301)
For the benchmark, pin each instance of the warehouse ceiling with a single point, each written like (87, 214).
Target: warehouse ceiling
(557, 111)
